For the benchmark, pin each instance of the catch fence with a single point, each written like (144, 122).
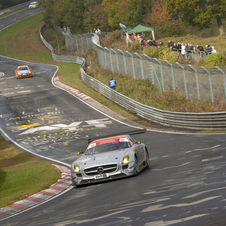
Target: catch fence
(202, 83)
(199, 121)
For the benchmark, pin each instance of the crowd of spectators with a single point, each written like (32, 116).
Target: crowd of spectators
(183, 49)
(188, 50)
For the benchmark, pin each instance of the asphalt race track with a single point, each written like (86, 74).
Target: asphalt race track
(185, 184)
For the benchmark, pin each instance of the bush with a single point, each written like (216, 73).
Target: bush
(134, 46)
(216, 59)
(161, 53)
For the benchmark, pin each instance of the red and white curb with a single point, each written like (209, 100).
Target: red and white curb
(41, 196)
(73, 91)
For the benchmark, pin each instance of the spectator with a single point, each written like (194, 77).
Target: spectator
(208, 50)
(213, 50)
(112, 83)
(135, 36)
(142, 35)
(161, 43)
(190, 51)
(174, 47)
(142, 45)
(183, 50)
(179, 47)
(186, 49)
(170, 44)
(131, 37)
(200, 50)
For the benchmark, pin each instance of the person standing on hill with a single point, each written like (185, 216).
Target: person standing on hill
(112, 83)
(200, 50)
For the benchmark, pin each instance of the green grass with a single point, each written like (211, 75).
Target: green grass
(22, 175)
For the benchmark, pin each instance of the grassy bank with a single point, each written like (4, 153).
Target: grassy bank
(22, 175)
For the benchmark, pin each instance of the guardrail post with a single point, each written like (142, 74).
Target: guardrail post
(172, 75)
(163, 88)
(116, 59)
(134, 76)
(141, 65)
(210, 83)
(124, 59)
(223, 74)
(185, 83)
(110, 58)
(197, 80)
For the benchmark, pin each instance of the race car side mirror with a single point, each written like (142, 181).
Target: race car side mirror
(31, 69)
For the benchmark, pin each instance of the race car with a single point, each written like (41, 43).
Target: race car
(23, 71)
(33, 5)
(108, 158)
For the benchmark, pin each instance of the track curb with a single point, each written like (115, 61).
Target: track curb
(62, 184)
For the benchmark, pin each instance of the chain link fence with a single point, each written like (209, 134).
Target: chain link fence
(201, 83)
(198, 121)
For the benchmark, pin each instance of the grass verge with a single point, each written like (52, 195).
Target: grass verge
(22, 175)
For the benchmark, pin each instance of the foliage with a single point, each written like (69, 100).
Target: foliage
(116, 11)
(198, 12)
(161, 53)
(216, 59)
(134, 46)
(161, 20)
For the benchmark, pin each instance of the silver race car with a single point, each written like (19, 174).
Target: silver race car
(108, 158)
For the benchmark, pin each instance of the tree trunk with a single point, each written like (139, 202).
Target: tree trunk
(220, 26)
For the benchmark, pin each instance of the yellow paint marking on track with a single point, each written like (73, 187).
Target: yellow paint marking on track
(26, 126)
(54, 134)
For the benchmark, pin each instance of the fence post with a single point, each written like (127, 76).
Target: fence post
(151, 70)
(223, 79)
(134, 76)
(82, 42)
(197, 80)
(185, 83)
(141, 65)
(76, 41)
(210, 83)
(163, 88)
(172, 75)
(110, 58)
(86, 41)
(124, 59)
(116, 59)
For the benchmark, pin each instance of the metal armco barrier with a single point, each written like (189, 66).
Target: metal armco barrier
(197, 121)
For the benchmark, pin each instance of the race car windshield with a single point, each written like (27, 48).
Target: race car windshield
(114, 146)
(22, 68)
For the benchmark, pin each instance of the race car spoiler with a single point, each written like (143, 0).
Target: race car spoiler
(134, 132)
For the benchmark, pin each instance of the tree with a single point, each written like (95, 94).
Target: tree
(198, 12)
(161, 20)
(116, 11)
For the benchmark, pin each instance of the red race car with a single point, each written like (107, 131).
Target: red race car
(23, 71)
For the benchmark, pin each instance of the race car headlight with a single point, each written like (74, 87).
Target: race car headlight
(76, 168)
(125, 159)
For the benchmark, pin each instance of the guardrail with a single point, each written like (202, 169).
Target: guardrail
(197, 121)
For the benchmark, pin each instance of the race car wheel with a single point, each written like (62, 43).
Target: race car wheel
(136, 166)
